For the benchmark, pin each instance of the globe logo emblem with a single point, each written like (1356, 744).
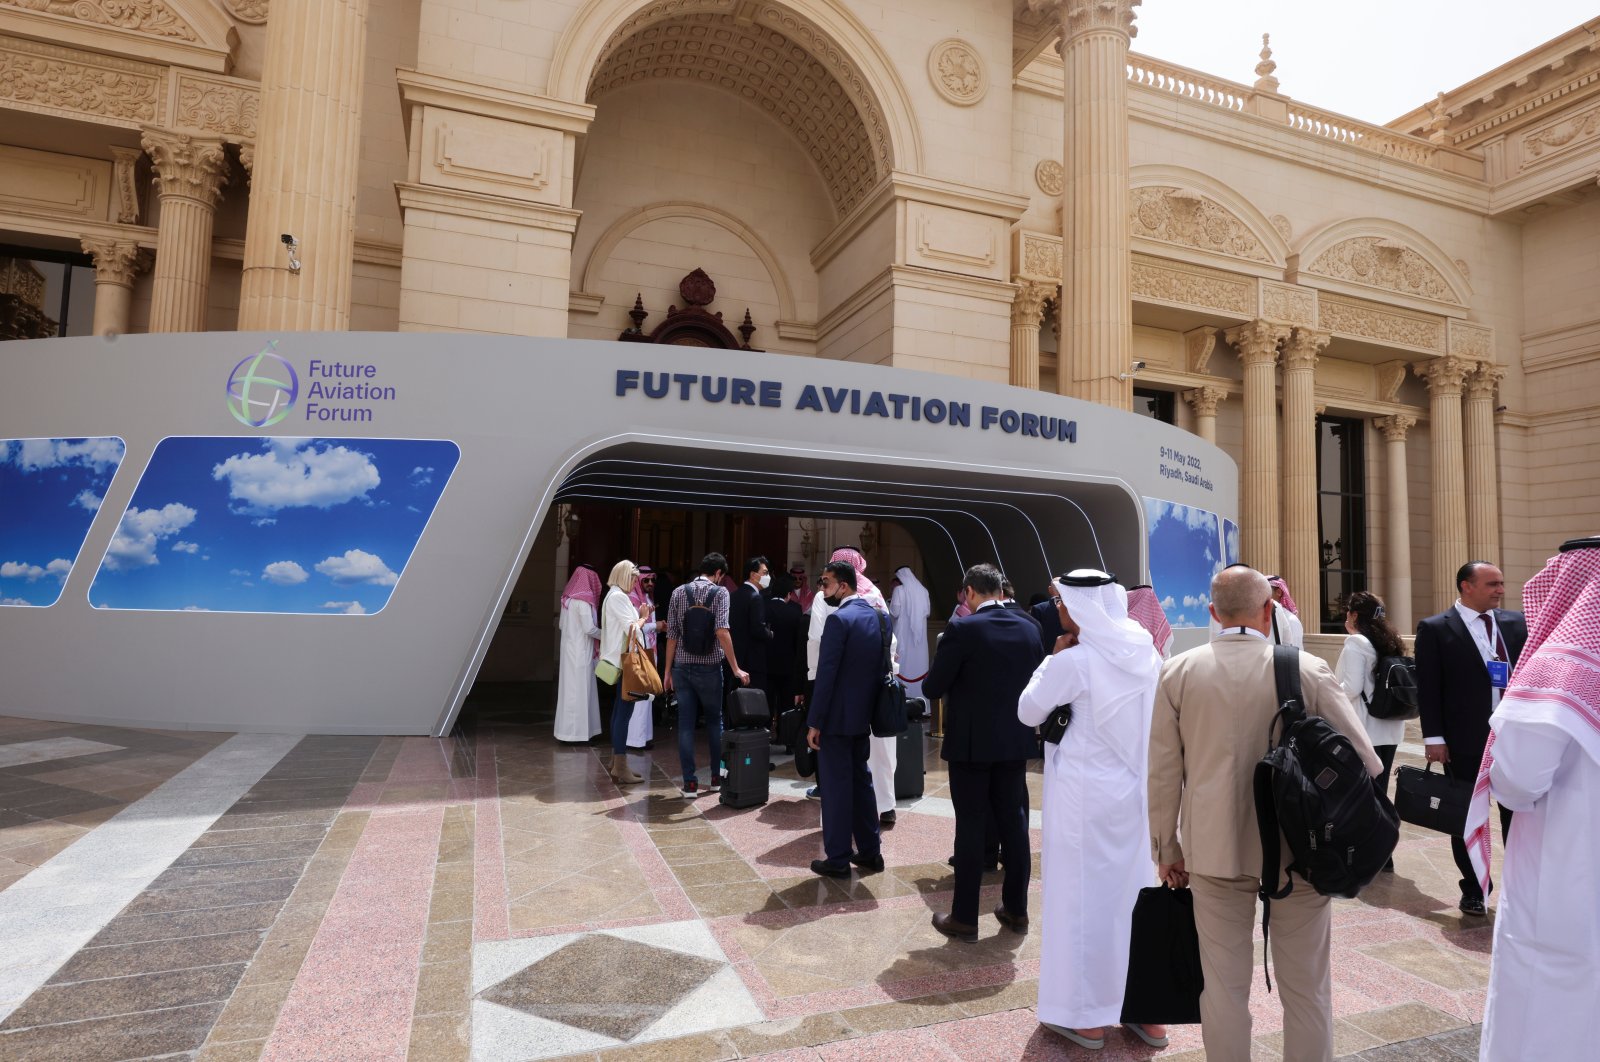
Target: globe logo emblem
(262, 389)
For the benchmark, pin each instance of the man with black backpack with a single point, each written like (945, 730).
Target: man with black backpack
(697, 643)
(1216, 712)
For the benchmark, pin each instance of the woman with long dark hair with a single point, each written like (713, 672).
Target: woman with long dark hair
(1371, 639)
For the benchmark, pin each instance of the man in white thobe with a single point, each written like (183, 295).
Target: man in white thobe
(1543, 762)
(909, 605)
(1096, 858)
(577, 698)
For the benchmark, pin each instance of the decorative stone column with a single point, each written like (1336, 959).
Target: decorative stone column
(116, 263)
(1257, 344)
(190, 173)
(307, 147)
(1026, 311)
(1397, 586)
(1301, 542)
(1204, 402)
(1445, 376)
(1097, 307)
(1483, 480)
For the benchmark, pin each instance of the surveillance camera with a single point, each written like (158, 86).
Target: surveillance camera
(1138, 365)
(288, 240)
(291, 247)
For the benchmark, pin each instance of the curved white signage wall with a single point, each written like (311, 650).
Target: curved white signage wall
(318, 531)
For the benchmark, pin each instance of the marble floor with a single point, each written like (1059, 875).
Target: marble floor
(494, 897)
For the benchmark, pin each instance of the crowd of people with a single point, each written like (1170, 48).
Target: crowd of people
(1138, 743)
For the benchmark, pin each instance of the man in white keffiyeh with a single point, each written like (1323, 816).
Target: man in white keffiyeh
(1543, 762)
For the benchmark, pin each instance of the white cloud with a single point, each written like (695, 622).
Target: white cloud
(1169, 602)
(421, 477)
(284, 573)
(348, 608)
(186, 547)
(14, 601)
(412, 509)
(293, 473)
(238, 571)
(1195, 601)
(20, 570)
(59, 568)
(31, 455)
(88, 499)
(134, 544)
(193, 608)
(358, 566)
(264, 521)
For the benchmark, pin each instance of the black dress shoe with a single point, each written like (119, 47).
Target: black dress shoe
(871, 864)
(886, 819)
(1473, 907)
(957, 930)
(1015, 923)
(830, 870)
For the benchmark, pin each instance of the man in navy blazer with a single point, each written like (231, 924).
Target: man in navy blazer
(982, 665)
(1455, 653)
(849, 675)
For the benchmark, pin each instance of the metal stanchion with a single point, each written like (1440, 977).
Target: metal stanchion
(936, 709)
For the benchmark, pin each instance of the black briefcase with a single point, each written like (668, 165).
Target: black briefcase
(1164, 977)
(1433, 801)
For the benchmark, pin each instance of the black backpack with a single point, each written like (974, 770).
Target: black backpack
(1314, 789)
(700, 621)
(1394, 689)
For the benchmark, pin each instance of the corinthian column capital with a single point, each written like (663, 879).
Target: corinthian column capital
(1257, 341)
(116, 261)
(1484, 380)
(194, 167)
(1204, 400)
(1027, 308)
(1444, 375)
(1087, 16)
(1303, 347)
(1394, 428)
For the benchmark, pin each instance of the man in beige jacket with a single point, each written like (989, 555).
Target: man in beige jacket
(1212, 713)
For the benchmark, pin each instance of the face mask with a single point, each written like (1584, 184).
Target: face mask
(764, 582)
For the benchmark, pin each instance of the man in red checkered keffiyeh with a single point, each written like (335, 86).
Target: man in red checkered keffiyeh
(1145, 610)
(1543, 762)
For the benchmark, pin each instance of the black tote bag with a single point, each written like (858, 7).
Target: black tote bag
(1164, 978)
(1433, 801)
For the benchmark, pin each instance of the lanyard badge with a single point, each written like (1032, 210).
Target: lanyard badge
(1499, 673)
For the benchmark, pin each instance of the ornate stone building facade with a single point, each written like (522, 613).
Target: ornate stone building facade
(998, 193)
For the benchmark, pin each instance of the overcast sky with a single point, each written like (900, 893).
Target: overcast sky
(1369, 59)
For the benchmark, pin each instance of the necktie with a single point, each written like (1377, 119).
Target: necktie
(1494, 636)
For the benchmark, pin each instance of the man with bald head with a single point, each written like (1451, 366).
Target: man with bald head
(1213, 709)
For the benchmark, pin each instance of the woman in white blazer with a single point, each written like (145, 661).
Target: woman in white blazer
(618, 616)
(1371, 637)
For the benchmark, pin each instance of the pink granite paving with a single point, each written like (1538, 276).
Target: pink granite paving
(491, 914)
(354, 994)
(906, 1044)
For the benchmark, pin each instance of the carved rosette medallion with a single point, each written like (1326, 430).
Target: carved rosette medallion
(144, 16)
(1381, 263)
(1176, 215)
(253, 12)
(1050, 177)
(957, 73)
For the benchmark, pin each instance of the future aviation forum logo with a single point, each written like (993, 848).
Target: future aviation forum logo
(262, 389)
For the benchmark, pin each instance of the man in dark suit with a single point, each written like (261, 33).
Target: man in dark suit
(849, 674)
(980, 669)
(786, 655)
(1464, 656)
(747, 624)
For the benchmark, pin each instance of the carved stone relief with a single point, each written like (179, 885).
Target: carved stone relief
(253, 12)
(1391, 374)
(1050, 177)
(1285, 229)
(124, 176)
(1040, 256)
(1176, 215)
(1193, 286)
(145, 16)
(1471, 340)
(1381, 263)
(46, 77)
(227, 108)
(1559, 135)
(956, 70)
(1288, 303)
(1363, 320)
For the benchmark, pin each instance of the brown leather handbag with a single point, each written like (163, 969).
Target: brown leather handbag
(639, 676)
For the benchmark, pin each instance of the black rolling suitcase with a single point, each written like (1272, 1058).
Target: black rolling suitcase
(745, 753)
(792, 729)
(747, 709)
(908, 767)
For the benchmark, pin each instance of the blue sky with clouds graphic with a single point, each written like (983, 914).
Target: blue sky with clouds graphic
(281, 525)
(50, 490)
(1184, 555)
